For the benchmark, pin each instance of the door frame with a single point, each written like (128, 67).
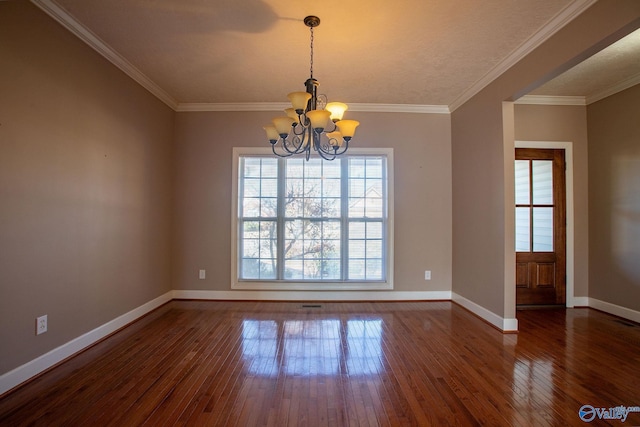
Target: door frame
(570, 300)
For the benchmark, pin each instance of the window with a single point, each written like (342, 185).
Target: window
(312, 224)
(534, 205)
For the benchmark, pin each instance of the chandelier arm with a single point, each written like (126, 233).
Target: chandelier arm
(293, 146)
(343, 149)
(322, 152)
(303, 127)
(273, 148)
(325, 148)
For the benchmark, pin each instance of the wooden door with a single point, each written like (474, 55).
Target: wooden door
(540, 227)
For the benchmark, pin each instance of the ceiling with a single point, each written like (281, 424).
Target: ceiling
(438, 53)
(611, 70)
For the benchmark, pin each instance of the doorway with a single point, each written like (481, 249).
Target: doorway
(540, 234)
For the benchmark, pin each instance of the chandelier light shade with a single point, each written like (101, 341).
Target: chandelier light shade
(311, 123)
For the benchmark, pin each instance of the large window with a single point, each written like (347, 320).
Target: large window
(312, 224)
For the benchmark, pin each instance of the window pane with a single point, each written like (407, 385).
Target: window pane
(543, 229)
(269, 168)
(269, 187)
(357, 230)
(293, 205)
(331, 187)
(357, 270)
(331, 208)
(331, 170)
(374, 168)
(252, 187)
(374, 230)
(523, 230)
(251, 207)
(356, 249)
(313, 168)
(542, 175)
(293, 269)
(312, 187)
(331, 230)
(251, 248)
(252, 167)
(374, 249)
(356, 167)
(373, 207)
(331, 269)
(258, 250)
(522, 182)
(356, 188)
(269, 207)
(295, 168)
(374, 269)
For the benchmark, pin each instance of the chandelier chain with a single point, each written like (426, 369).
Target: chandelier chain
(311, 61)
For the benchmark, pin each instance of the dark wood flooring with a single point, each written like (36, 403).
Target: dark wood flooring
(201, 363)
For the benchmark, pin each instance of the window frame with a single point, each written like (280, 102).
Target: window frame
(237, 283)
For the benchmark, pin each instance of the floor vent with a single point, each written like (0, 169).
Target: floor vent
(311, 306)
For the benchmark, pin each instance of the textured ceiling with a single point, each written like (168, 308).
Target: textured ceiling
(416, 52)
(615, 68)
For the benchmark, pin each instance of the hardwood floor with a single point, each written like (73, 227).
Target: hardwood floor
(281, 363)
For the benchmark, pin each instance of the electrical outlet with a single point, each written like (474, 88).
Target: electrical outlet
(202, 274)
(427, 275)
(41, 325)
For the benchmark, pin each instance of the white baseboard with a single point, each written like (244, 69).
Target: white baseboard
(614, 309)
(505, 325)
(313, 295)
(579, 302)
(30, 369)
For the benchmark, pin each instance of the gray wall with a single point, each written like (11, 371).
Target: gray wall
(85, 187)
(614, 199)
(422, 189)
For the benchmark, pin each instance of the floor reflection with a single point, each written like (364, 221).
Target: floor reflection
(313, 347)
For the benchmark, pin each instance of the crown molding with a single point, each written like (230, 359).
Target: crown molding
(279, 106)
(612, 90)
(233, 106)
(551, 100)
(560, 20)
(84, 34)
(400, 108)
(580, 100)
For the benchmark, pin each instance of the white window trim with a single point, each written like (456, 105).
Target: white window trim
(310, 285)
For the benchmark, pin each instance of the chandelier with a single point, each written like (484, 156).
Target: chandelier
(311, 122)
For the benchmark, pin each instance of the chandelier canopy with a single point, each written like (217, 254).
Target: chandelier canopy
(311, 122)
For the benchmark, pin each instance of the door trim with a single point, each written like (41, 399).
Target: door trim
(568, 158)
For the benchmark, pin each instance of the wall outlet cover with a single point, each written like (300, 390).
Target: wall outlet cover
(41, 325)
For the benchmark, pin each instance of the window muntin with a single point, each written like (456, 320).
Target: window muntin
(305, 222)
